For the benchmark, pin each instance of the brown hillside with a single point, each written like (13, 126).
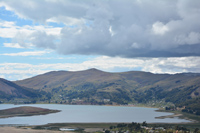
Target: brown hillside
(10, 89)
(108, 82)
(65, 78)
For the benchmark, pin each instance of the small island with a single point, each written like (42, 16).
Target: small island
(25, 111)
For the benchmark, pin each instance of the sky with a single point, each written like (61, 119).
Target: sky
(157, 36)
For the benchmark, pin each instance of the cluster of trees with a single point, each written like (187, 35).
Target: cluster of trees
(189, 106)
(180, 97)
(135, 127)
(170, 108)
(132, 127)
(181, 128)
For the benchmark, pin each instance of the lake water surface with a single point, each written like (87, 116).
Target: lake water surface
(89, 113)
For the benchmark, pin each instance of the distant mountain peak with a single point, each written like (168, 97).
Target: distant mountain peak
(94, 69)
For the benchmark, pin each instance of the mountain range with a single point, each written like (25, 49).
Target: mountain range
(98, 87)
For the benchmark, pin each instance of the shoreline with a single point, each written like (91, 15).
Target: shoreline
(175, 114)
(103, 123)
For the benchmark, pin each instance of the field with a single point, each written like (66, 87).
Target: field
(102, 127)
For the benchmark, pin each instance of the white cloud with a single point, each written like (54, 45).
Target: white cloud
(128, 28)
(2, 76)
(111, 31)
(23, 35)
(7, 24)
(159, 28)
(105, 63)
(10, 30)
(69, 21)
(27, 53)
(12, 45)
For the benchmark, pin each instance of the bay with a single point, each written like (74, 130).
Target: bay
(90, 114)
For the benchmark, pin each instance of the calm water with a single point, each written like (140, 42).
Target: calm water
(88, 113)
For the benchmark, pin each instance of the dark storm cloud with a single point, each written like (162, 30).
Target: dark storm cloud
(126, 28)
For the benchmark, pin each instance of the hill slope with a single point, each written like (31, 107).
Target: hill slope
(65, 78)
(9, 90)
(121, 87)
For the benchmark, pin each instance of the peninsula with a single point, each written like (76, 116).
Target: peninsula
(25, 111)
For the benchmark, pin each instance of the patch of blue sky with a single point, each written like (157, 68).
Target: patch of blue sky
(7, 15)
(47, 58)
(4, 40)
(9, 50)
(57, 40)
(54, 24)
(52, 58)
(23, 22)
(11, 16)
(89, 23)
(138, 68)
(81, 58)
(13, 59)
(34, 59)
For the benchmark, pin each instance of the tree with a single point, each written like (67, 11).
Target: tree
(138, 126)
(144, 123)
(196, 130)
(196, 93)
(107, 131)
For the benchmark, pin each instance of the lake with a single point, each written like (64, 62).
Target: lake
(90, 114)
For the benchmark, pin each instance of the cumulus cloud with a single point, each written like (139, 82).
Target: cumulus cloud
(12, 45)
(17, 71)
(22, 34)
(159, 29)
(140, 28)
(27, 53)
